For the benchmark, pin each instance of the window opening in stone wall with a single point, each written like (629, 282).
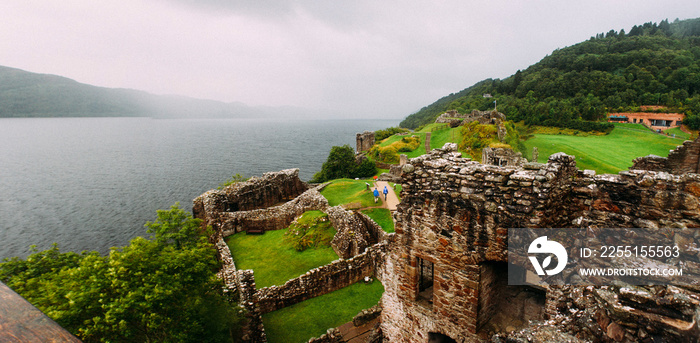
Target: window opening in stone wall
(434, 337)
(425, 281)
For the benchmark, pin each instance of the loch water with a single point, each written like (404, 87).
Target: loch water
(92, 183)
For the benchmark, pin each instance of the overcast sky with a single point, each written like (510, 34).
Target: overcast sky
(361, 58)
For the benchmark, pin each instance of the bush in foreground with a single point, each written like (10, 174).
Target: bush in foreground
(162, 289)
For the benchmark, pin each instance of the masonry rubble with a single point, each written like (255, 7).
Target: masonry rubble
(483, 117)
(502, 157)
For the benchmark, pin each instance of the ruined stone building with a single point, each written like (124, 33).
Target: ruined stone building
(483, 117)
(445, 269)
(446, 277)
(364, 141)
(502, 157)
(272, 202)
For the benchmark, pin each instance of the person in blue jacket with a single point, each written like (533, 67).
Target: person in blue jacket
(376, 195)
(385, 191)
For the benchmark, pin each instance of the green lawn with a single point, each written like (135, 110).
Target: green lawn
(679, 134)
(439, 137)
(381, 216)
(605, 154)
(313, 317)
(345, 191)
(432, 127)
(274, 260)
(397, 189)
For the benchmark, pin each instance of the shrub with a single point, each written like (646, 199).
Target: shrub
(341, 163)
(234, 179)
(380, 135)
(311, 229)
(366, 168)
(390, 153)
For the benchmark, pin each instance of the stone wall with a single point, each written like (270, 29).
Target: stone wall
(625, 313)
(325, 279)
(254, 331)
(483, 117)
(355, 231)
(502, 157)
(364, 141)
(228, 272)
(256, 193)
(455, 215)
(331, 336)
(684, 159)
(267, 219)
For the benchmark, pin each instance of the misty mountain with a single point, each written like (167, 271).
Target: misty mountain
(26, 94)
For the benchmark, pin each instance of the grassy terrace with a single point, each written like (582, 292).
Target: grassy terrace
(274, 259)
(442, 133)
(345, 191)
(311, 318)
(609, 153)
(381, 216)
(678, 133)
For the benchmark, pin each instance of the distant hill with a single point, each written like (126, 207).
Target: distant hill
(26, 94)
(652, 64)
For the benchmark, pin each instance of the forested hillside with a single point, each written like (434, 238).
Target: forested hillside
(652, 64)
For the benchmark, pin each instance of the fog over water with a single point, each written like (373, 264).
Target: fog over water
(92, 183)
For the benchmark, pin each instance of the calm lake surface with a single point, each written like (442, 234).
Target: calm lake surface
(92, 183)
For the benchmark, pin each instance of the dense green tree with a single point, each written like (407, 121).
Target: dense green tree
(162, 289)
(341, 163)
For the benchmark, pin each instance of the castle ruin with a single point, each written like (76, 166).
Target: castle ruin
(445, 268)
(455, 119)
(364, 141)
(446, 277)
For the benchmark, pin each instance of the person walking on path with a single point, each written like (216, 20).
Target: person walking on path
(386, 191)
(376, 195)
(391, 200)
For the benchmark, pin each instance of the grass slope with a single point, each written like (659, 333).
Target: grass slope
(381, 216)
(274, 260)
(345, 191)
(311, 318)
(442, 133)
(605, 154)
(678, 133)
